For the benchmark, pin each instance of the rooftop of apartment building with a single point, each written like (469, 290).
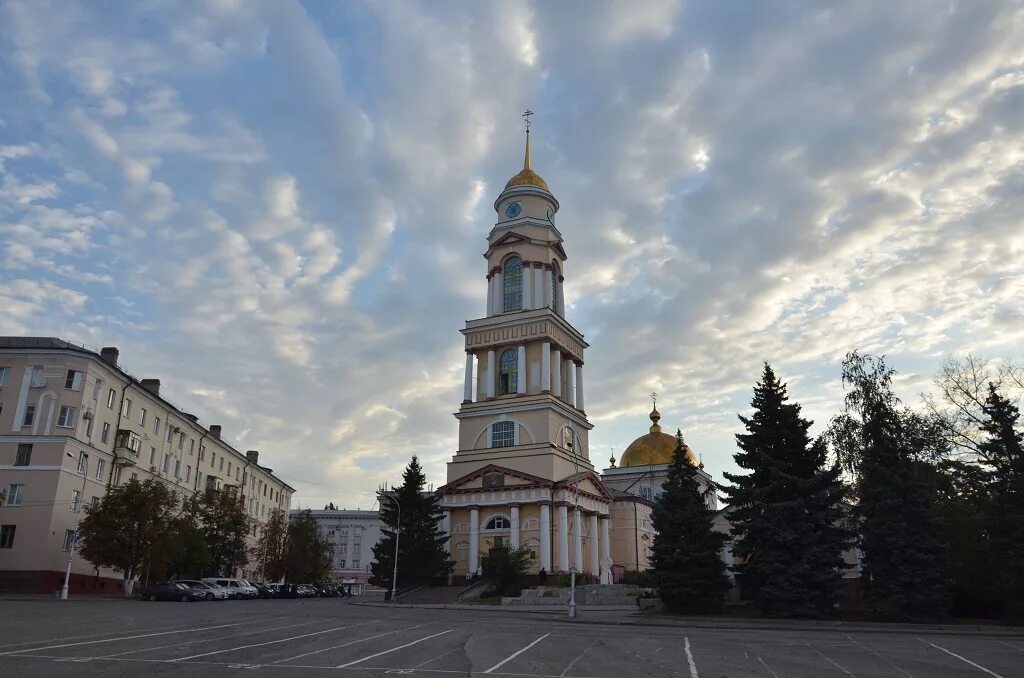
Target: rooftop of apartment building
(109, 356)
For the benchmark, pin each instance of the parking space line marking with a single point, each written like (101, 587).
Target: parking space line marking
(208, 640)
(506, 660)
(111, 640)
(400, 647)
(351, 642)
(579, 657)
(86, 635)
(689, 658)
(1015, 647)
(269, 642)
(868, 649)
(766, 667)
(963, 659)
(829, 660)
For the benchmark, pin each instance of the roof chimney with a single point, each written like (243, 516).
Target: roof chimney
(253, 456)
(215, 431)
(151, 385)
(109, 355)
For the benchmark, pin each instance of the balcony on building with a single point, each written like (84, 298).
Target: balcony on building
(126, 447)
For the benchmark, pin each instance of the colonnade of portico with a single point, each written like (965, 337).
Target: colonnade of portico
(561, 544)
(538, 288)
(560, 374)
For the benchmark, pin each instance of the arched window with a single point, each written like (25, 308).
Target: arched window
(512, 274)
(508, 374)
(503, 434)
(568, 438)
(498, 523)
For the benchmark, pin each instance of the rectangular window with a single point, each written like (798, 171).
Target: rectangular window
(355, 564)
(69, 539)
(111, 396)
(76, 499)
(105, 433)
(95, 502)
(503, 434)
(152, 456)
(222, 463)
(7, 536)
(142, 416)
(127, 408)
(199, 478)
(191, 447)
(181, 441)
(202, 453)
(238, 474)
(177, 468)
(30, 415)
(15, 494)
(24, 456)
(66, 418)
(101, 465)
(5, 375)
(117, 475)
(73, 381)
(135, 476)
(156, 426)
(170, 432)
(188, 473)
(82, 462)
(229, 468)
(167, 463)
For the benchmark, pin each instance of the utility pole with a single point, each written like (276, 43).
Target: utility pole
(78, 519)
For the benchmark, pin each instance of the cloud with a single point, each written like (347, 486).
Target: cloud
(281, 207)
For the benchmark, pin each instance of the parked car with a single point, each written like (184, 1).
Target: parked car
(173, 591)
(265, 591)
(306, 591)
(326, 589)
(280, 590)
(213, 592)
(237, 588)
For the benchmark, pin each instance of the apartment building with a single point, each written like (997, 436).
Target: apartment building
(352, 536)
(74, 422)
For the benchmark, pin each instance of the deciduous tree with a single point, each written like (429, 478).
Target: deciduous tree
(306, 553)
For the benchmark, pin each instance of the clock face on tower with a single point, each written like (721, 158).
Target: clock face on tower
(513, 209)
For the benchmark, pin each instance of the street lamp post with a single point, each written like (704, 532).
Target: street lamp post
(398, 531)
(78, 519)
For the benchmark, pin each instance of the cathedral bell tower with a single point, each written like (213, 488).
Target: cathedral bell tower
(522, 475)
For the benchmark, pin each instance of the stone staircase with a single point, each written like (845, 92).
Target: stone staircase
(621, 595)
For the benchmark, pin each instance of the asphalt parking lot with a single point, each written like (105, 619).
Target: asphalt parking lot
(332, 637)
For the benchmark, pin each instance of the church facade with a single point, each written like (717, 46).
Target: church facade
(522, 475)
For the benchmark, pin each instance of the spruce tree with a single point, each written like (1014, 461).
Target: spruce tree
(905, 559)
(421, 543)
(1003, 452)
(688, 566)
(787, 517)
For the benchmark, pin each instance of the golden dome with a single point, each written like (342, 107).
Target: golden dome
(656, 447)
(527, 177)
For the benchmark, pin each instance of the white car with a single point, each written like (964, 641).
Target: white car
(214, 591)
(237, 588)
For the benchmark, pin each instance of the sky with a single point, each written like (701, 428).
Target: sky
(279, 208)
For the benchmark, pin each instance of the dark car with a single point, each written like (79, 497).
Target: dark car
(173, 591)
(326, 589)
(306, 591)
(265, 591)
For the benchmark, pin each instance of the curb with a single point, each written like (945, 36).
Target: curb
(718, 623)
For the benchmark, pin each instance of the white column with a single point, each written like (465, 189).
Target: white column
(490, 296)
(606, 551)
(521, 379)
(499, 293)
(446, 526)
(570, 383)
(563, 537)
(545, 537)
(513, 537)
(577, 539)
(350, 554)
(545, 367)
(481, 378)
(527, 287)
(467, 390)
(556, 372)
(595, 555)
(579, 386)
(560, 307)
(548, 301)
(490, 373)
(474, 540)
(538, 288)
